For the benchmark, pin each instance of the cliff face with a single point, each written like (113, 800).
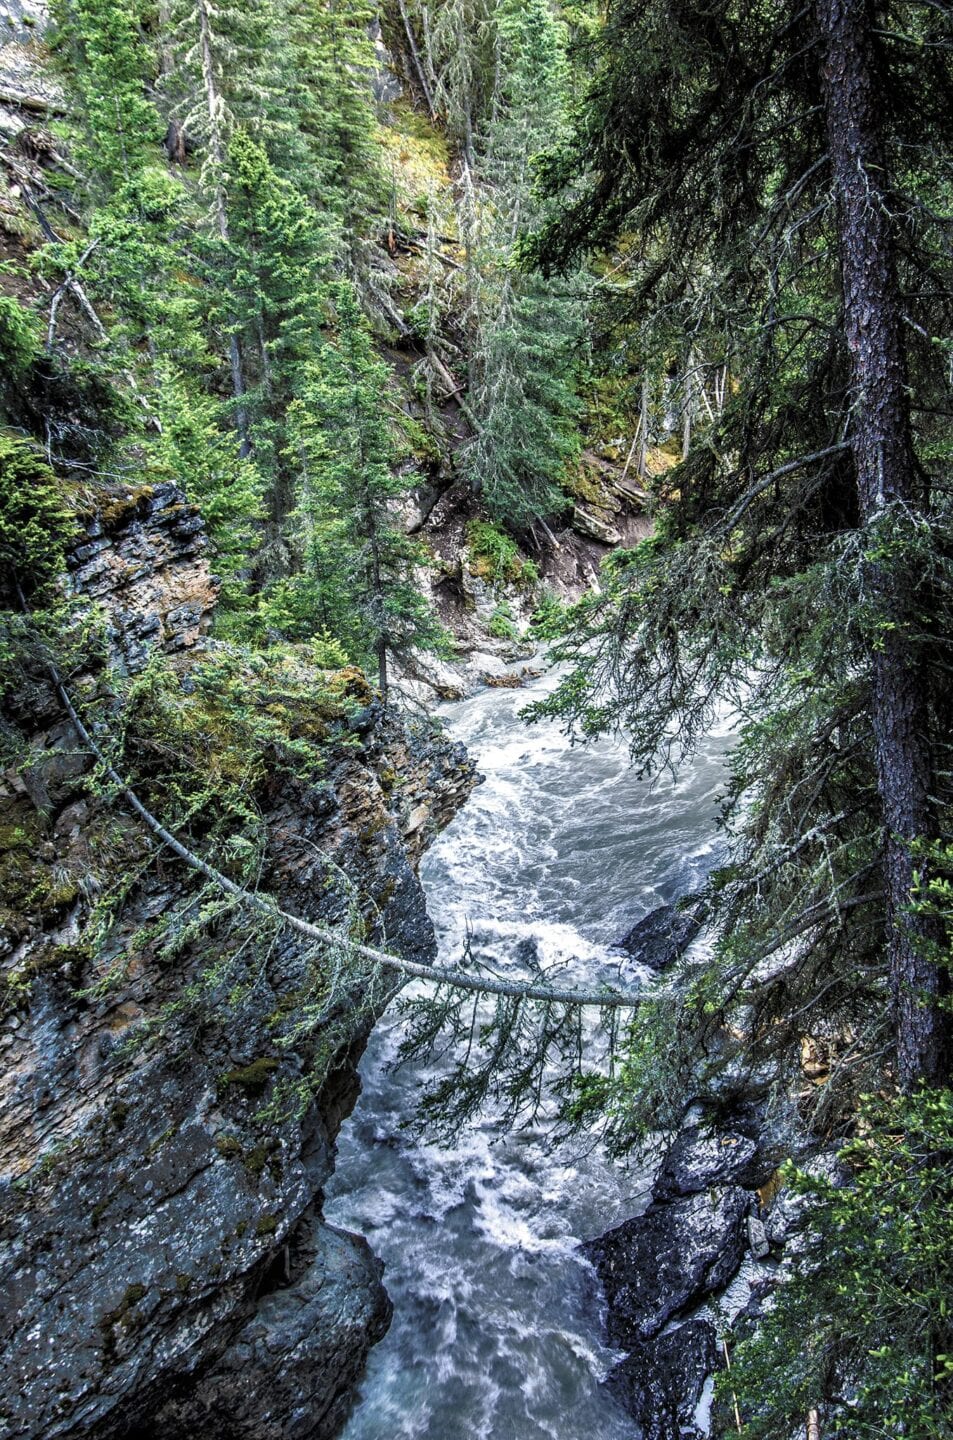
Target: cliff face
(166, 1132)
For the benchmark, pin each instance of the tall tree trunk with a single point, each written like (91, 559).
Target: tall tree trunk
(886, 474)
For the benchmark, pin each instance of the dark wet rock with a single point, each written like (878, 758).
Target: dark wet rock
(288, 1373)
(162, 1152)
(661, 1380)
(703, 1157)
(662, 936)
(758, 1242)
(658, 1264)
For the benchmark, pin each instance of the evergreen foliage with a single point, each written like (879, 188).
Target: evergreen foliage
(36, 523)
(865, 1321)
(357, 576)
(765, 192)
(527, 330)
(774, 581)
(332, 58)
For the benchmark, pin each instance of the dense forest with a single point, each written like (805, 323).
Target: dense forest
(612, 335)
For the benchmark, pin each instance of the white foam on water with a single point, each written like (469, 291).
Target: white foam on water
(496, 1331)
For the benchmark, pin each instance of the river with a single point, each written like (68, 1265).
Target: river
(496, 1329)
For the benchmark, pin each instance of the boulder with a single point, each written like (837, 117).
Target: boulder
(660, 1382)
(701, 1158)
(658, 1264)
(659, 938)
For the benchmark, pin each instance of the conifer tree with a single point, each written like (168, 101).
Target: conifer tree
(527, 329)
(358, 563)
(101, 45)
(220, 74)
(132, 262)
(332, 58)
(467, 69)
(765, 160)
(280, 255)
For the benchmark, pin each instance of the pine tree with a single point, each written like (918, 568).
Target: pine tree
(280, 256)
(101, 46)
(357, 572)
(131, 260)
(332, 59)
(801, 561)
(526, 330)
(221, 74)
(466, 62)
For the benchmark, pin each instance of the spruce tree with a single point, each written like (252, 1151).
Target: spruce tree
(333, 59)
(102, 49)
(526, 330)
(786, 164)
(357, 571)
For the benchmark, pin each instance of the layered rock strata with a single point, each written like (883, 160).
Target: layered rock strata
(165, 1269)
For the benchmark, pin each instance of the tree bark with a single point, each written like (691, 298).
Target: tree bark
(887, 478)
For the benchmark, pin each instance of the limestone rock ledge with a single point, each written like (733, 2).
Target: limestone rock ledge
(165, 1269)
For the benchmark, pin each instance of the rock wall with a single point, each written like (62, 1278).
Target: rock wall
(164, 1266)
(691, 1273)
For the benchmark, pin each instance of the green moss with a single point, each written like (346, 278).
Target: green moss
(17, 984)
(419, 154)
(257, 1159)
(496, 557)
(119, 1113)
(254, 1077)
(117, 512)
(584, 484)
(156, 1145)
(241, 1228)
(369, 832)
(386, 893)
(228, 1146)
(267, 1225)
(183, 1283)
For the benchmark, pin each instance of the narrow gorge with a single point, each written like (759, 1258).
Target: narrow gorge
(476, 599)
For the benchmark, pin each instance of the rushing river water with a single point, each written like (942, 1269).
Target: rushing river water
(496, 1329)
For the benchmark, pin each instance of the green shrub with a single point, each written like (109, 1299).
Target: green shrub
(863, 1330)
(19, 342)
(35, 523)
(496, 557)
(549, 617)
(501, 623)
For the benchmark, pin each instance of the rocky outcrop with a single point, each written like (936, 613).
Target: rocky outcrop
(662, 937)
(661, 1380)
(169, 1111)
(663, 1262)
(665, 1273)
(142, 558)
